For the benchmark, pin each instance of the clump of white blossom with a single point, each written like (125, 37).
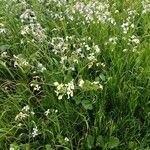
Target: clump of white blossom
(146, 6)
(21, 116)
(48, 111)
(66, 139)
(69, 88)
(35, 132)
(35, 83)
(20, 61)
(4, 54)
(31, 26)
(36, 86)
(2, 28)
(113, 40)
(91, 12)
(64, 89)
(81, 83)
(80, 49)
(128, 23)
(133, 39)
(40, 67)
(24, 113)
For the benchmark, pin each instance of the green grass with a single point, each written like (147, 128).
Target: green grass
(84, 79)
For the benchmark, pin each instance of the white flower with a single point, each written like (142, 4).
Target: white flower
(97, 83)
(20, 61)
(28, 15)
(55, 110)
(100, 86)
(11, 148)
(56, 83)
(47, 112)
(102, 64)
(2, 30)
(66, 139)
(116, 11)
(36, 87)
(63, 59)
(41, 1)
(62, 89)
(132, 25)
(134, 39)
(26, 108)
(60, 97)
(4, 54)
(60, 86)
(125, 50)
(32, 112)
(97, 49)
(19, 125)
(125, 27)
(91, 57)
(25, 30)
(70, 88)
(41, 67)
(113, 40)
(81, 82)
(21, 116)
(35, 132)
(146, 6)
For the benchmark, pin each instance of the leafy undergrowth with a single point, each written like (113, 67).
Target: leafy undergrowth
(74, 75)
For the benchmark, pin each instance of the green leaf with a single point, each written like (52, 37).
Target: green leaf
(4, 47)
(113, 142)
(132, 145)
(88, 86)
(90, 141)
(25, 146)
(99, 141)
(102, 77)
(60, 139)
(78, 100)
(48, 147)
(14, 146)
(87, 104)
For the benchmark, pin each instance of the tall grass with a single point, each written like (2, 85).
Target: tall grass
(74, 75)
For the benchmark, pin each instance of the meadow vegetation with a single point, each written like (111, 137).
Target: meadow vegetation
(74, 75)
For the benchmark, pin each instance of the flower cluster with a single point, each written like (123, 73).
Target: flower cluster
(23, 62)
(146, 6)
(72, 53)
(68, 89)
(35, 84)
(20, 61)
(88, 85)
(64, 89)
(31, 26)
(134, 40)
(90, 12)
(23, 114)
(48, 111)
(4, 54)
(94, 11)
(35, 132)
(128, 22)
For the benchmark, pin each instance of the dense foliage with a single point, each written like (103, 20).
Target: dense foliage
(74, 75)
